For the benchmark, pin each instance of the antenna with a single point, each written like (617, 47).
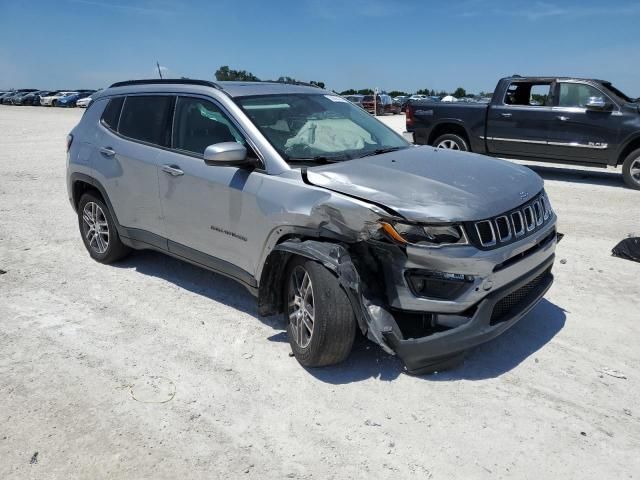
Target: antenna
(159, 71)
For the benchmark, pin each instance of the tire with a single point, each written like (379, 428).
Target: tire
(454, 142)
(105, 247)
(333, 326)
(631, 170)
(53, 103)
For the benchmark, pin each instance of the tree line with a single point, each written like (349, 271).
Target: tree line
(224, 73)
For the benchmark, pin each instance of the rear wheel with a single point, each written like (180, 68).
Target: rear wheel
(321, 325)
(98, 230)
(451, 141)
(631, 170)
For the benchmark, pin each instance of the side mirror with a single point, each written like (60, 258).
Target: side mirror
(226, 154)
(598, 104)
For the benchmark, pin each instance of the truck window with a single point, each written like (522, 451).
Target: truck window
(577, 94)
(528, 94)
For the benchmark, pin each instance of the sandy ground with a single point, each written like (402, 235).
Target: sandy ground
(156, 369)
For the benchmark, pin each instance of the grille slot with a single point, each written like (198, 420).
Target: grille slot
(486, 234)
(518, 223)
(529, 218)
(504, 228)
(537, 209)
(509, 305)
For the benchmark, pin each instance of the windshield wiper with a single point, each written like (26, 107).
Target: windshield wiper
(379, 151)
(317, 159)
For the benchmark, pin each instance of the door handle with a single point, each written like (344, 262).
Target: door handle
(172, 170)
(505, 115)
(562, 118)
(108, 151)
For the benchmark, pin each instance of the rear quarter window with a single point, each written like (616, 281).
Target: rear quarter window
(111, 113)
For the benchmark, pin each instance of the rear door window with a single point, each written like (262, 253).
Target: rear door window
(528, 94)
(147, 118)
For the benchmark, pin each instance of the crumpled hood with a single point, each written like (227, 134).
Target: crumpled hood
(432, 185)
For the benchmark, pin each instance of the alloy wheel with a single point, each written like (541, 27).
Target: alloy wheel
(96, 227)
(635, 170)
(448, 144)
(301, 306)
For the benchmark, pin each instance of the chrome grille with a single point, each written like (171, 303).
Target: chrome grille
(514, 224)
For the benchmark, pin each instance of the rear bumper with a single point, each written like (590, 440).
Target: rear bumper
(444, 349)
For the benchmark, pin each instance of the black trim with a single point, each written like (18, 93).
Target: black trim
(215, 264)
(167, 81)
(141, 239)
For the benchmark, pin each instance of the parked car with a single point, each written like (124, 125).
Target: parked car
(8, 98)
(84, 102)
(356, 99)
(26, 98)
(70, 100)
(3, 95)
(37, 97)
(383, 104)
(52, 100)
(560, 120)
(322, 212)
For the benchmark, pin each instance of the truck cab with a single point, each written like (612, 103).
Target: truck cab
(556, 119)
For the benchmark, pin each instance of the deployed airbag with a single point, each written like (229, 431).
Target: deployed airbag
(330, 135)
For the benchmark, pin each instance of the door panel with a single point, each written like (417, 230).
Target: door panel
(130, 176)
(515, 130)
(210, 209)
(579, 133)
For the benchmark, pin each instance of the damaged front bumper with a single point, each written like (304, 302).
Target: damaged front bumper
(503, 285)
(499, 311)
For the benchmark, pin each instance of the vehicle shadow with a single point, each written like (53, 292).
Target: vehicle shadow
(605, 178)
(367, 360)
(490, 360)
(192, 278)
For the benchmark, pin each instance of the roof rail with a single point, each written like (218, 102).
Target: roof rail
(293, 82)
(180, 81)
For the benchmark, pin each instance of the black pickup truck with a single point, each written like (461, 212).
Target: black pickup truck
(561, 120)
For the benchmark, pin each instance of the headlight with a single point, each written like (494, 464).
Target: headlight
(426, 234)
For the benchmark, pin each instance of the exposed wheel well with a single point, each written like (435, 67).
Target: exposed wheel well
(630, 147)
(270, 299)
(448, 128)
(80, 188)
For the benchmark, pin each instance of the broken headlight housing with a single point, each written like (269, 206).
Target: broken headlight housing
(427, 235)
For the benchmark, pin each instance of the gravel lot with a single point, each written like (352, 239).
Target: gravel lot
(156, 369)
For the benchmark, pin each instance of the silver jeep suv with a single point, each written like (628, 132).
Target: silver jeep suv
(319, 210)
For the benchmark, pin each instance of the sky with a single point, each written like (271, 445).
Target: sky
(391, 45)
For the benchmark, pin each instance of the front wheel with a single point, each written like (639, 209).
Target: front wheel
(321, 325)
(451, 141)
(631, 170)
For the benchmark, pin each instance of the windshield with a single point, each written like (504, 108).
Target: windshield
(316, 127)
(618, 93)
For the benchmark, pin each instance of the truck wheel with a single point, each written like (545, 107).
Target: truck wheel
(451, 141)
(321, 325)
(98, 230)
(631, 170)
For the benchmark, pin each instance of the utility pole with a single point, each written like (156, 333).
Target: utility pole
(159, 71)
